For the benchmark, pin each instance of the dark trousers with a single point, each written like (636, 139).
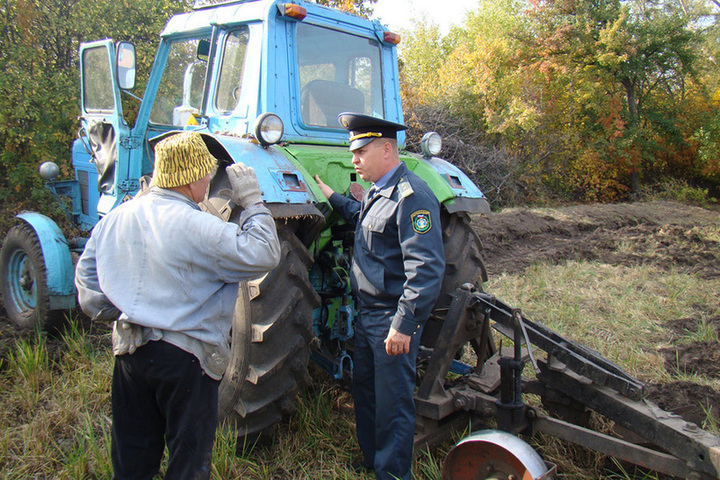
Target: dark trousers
(383, 388)
(161, 395)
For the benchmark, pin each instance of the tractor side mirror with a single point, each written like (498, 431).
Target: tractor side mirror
(125, 68)
(203, 50)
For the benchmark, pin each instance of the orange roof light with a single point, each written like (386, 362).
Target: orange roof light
(295, 11)
(390, 37)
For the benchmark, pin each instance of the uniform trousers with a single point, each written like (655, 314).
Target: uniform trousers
(383, 388)
(160, 395)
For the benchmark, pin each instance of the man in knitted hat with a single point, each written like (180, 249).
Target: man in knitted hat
(169, 273)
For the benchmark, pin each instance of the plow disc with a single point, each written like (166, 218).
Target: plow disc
(494, 455)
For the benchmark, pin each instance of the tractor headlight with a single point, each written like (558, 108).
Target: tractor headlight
(431, 144)
(268, 129)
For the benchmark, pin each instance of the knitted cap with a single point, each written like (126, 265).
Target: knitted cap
(181, 159)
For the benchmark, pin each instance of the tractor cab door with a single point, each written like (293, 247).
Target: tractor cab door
(104, 70)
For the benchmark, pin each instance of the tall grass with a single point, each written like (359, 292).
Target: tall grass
(55, 396)
(54, 419)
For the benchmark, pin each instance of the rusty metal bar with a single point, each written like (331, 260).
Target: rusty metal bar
(578, 358)
(615, 447)
(699, 449)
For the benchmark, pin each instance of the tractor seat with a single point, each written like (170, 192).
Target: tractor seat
(323, 101)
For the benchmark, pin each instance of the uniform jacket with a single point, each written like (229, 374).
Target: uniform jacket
(174, 269)
(398, 258)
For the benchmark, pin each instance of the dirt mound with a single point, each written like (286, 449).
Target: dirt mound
(663, 234)
(695, 403)
(684, 326)
(699, 358)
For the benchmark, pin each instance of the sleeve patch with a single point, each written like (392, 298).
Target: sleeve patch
(421, 221)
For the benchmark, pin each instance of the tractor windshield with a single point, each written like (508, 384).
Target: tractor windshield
(181, 88)
(338, 73)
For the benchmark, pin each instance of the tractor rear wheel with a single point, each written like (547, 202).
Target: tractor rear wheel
(271, 333)
(23, 280)
(463, 264)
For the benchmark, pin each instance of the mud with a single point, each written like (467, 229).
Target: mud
(666, 235)
(659, 233)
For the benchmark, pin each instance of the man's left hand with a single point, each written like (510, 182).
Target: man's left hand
(397, 343)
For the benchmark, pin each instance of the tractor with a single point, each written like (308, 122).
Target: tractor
(266, 80)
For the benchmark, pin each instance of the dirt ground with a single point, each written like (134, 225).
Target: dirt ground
(657, 233)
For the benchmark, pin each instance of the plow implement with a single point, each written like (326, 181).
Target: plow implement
(571, 381)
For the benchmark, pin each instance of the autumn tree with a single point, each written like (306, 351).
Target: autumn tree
(585, 97)
(360, 7)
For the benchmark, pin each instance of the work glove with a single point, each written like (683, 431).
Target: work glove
(245, 187)
(126, 337)
(106, 315)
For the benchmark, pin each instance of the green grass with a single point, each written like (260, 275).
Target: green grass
(618, 311)
(55, 400)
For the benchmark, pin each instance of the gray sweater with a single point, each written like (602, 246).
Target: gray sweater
(174, 270)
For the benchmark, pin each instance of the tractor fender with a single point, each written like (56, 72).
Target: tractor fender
(281, 180)
(60, 273)
(454, 190)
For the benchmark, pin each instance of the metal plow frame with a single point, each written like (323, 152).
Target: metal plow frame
(572, 378)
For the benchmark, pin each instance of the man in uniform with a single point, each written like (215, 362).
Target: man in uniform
(170, 272)
(397, 272)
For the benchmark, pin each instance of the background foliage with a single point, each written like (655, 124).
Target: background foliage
(573, 100)
(39, 80)
(589, 100)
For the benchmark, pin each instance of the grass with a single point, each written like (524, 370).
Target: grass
(55, 396)
(617, 310)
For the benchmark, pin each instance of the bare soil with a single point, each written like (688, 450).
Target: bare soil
(658, 233)
(662, 234)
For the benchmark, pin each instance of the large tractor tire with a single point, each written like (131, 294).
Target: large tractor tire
(463, 264)
(23, 280)
(270, 350)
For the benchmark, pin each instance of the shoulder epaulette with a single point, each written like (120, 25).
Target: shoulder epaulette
(405, 188)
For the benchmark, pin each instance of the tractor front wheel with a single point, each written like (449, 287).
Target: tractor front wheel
(23, 280)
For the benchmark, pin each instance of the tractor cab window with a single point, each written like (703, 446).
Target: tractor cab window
(98, 93)
(231, 70)
(181, 88)
(338, 73)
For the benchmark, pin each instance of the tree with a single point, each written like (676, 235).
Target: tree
(39, 82)
(360, 7)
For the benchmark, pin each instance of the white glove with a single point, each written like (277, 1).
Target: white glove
(126, 337)
(245, 187)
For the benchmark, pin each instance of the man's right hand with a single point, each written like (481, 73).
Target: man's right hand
(327, 191)
(126, 337)
(245, 187)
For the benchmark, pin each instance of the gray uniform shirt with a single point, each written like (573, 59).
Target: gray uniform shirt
(174, 269)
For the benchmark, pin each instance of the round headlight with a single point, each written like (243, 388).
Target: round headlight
(431, 144)
(268, 129)
(49, 171)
